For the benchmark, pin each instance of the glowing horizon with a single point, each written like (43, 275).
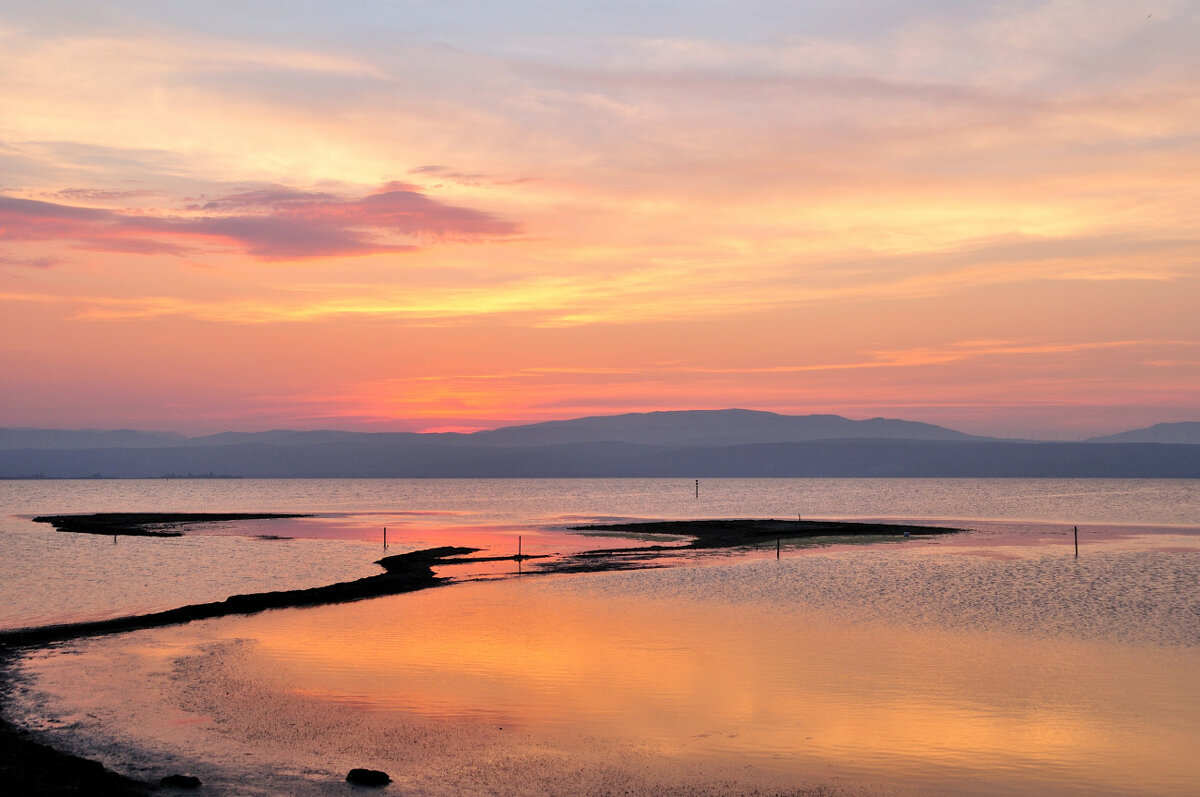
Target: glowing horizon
(463, 217)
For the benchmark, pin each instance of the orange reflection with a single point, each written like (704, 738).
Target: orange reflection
(794, 695)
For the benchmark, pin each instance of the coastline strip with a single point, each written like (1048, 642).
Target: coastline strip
(33, 768)
(408, 572)
(405, 572)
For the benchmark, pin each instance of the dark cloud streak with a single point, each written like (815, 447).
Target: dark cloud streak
(28, 262)
(275, 223)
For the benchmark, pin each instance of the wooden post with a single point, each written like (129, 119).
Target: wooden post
(778, 543)
(385, 538)
(518, 546)
(697, 488)
(1077, 542)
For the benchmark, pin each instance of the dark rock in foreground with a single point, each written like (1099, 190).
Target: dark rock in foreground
(368, 777)
(180, 781)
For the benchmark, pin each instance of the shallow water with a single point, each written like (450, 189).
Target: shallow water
(523, 501)
(993, 662)
(988, 665)
(47, 576)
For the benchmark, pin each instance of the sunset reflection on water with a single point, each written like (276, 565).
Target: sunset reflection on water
(800, 693)
(985, 667)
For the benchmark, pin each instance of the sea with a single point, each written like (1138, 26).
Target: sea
(1003, 660)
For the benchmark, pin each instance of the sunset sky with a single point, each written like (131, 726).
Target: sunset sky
(411, 215)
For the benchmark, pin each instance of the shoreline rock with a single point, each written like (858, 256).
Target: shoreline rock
(368, 777)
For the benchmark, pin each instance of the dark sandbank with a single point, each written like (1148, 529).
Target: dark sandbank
(147, 524)
(405, 572)
(730, 534)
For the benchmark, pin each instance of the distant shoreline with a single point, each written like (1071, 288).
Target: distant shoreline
(859, 458)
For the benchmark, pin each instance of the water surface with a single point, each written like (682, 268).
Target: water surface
(47, 576)
(985, 666)
(993, 662)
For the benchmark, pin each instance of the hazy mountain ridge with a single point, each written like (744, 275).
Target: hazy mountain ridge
(1186, 432)
(669, 444)
(681, 427)
(713, 427)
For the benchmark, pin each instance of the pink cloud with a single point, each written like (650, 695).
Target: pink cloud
(275, 223)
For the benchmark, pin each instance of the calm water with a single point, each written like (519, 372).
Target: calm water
(989, 663)
(522, 501)
(906, 669)
(47, 576)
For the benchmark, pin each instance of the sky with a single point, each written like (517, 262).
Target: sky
(405, 215)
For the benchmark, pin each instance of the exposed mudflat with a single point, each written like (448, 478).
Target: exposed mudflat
(147, 524)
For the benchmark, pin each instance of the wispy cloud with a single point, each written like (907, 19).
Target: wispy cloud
(871, 360)
(27, 262)
(270, 224)
(99, 194)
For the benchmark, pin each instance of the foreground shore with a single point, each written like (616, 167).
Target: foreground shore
(30, 768)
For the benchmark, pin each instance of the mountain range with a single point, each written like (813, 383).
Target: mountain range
(693, 443)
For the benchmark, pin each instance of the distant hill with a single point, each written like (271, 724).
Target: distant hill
(293, 438)
(702, 443)
(1187, 432)
(712, 428)
(68, 439)
(684, 427)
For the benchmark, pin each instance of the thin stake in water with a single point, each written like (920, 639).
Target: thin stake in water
(1076, 541)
